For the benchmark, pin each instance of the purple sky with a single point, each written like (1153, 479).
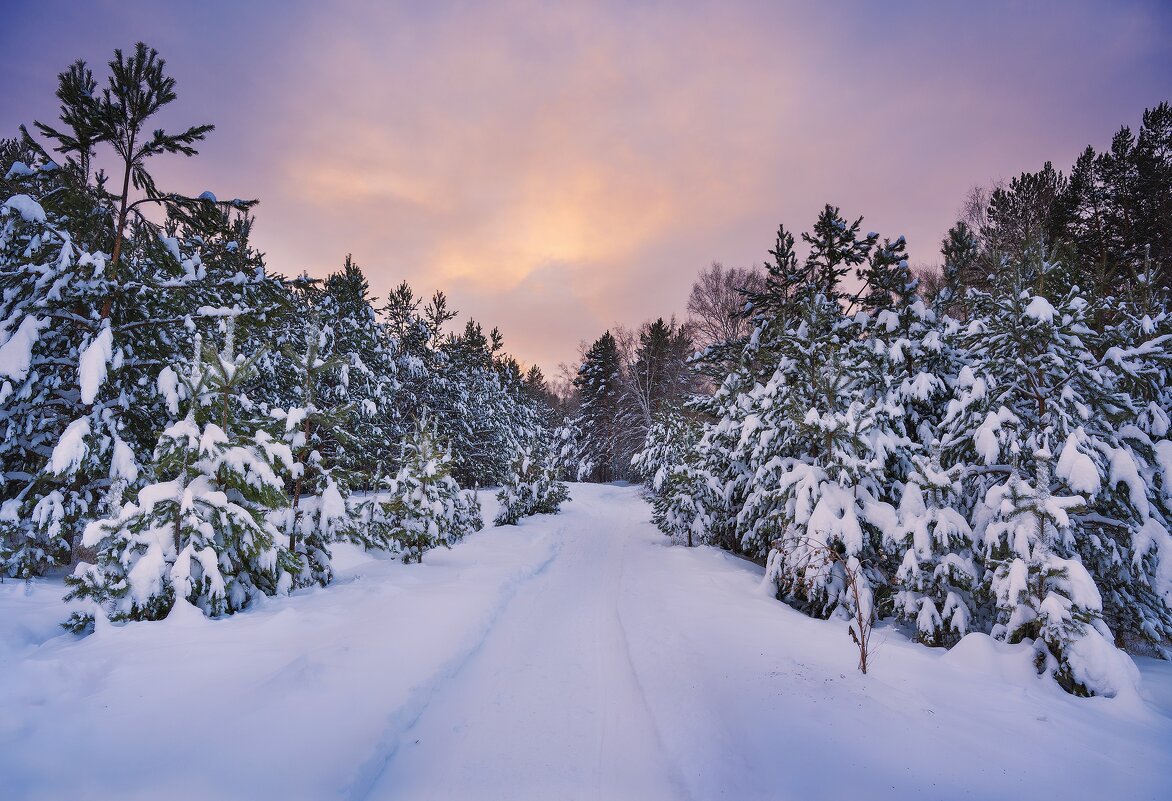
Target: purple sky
(557, 168)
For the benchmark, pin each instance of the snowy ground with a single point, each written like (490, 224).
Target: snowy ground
(576, 656)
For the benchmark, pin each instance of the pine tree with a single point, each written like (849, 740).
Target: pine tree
(424, 506)
(319, 512)
(938, 574)
(1025, 222)
(112, 295)
(659, 378)
(1039, 373)
(201, 533)
(1039, 594)
(835, 247)
(806, 436)
(569, 456)
(604, 414)
(669, 466)
(366, 380)
(533, 487)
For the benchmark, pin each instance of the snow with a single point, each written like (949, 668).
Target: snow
(1124, 471)
(172, 245)
(1163, 453)
(71, 449)
(122, 462)
(26, 207)
(571, 656)
(168, 385)
(18, 170)
(985, 438)
(207, 195)
(16, 351)
(1040, 309)
(91, 371)
(1078, 469)
(218, 311)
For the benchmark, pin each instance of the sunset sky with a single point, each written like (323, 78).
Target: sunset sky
(559, 167)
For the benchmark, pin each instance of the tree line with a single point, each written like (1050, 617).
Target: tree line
(977, 447)
(178, 424)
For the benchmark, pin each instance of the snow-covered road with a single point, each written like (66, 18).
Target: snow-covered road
(551, 701)
(573, 656)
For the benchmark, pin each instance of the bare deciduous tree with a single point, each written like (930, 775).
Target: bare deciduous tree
(931, 278)
(717, 300)
(974, 209)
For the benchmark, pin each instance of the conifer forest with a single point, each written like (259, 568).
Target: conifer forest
(860, 516)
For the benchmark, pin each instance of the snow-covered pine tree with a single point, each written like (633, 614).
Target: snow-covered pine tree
(319, 513)
(938, 573)
(669, 466)
(1040, 371)
(366, 381)
(906, 355)
(604, 413)
(723, 465)
(1042, 596)
(465, 382)
(201, 533)
(1127, 544)
(568, 450)
(423, 506)
(806, 434)
(533, 487)
(960, 253)
(902, 358)
(412, 337)
(108, 292)
(485, 419)
(38, 361)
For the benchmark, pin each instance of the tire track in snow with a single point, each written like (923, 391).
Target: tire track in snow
(677, 776)
(408, 714)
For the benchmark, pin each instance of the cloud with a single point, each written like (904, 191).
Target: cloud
(557, 167)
